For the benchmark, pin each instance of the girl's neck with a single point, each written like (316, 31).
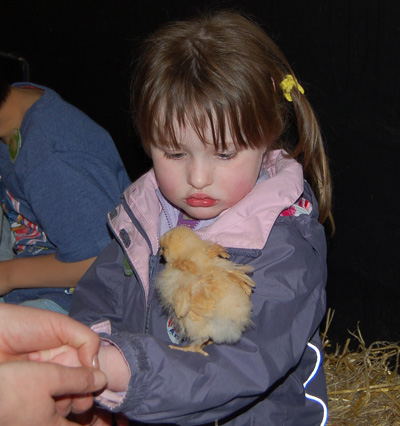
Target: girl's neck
(185, 220)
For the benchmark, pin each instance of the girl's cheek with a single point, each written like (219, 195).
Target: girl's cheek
(236, 190)
(169, 179)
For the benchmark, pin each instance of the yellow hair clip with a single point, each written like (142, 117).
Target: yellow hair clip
(287, 85)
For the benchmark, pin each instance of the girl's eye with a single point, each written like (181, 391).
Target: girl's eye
(227, 155)
(174, 155)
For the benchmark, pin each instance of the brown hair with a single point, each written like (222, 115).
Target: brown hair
(219, 70)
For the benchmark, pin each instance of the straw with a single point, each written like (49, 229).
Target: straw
(363, 385)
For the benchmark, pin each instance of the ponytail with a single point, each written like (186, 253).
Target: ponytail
(310, 152)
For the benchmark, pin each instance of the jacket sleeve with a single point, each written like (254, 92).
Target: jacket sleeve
(288, 305)
(99, 295)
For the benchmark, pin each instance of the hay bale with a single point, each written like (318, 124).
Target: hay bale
(363, 385)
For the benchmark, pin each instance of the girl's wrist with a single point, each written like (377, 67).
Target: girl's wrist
(114, 365)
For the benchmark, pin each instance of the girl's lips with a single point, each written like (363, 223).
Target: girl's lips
(200, 201)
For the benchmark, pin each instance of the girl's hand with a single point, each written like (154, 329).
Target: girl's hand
(111, 362)
(64, 355)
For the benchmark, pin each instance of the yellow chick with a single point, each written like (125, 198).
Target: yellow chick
(207, 295)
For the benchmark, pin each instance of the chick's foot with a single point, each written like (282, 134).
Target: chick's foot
(192, 348)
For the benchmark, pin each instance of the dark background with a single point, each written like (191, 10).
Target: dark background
(346, 55)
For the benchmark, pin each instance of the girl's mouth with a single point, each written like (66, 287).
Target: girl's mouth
(200, 201)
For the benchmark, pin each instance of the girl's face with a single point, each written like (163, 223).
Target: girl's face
(203, 181)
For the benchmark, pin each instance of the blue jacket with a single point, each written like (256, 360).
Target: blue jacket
(274, 374)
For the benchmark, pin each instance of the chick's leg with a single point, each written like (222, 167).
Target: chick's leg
(193, 347)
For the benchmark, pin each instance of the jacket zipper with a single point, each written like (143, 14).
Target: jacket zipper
(153, 259)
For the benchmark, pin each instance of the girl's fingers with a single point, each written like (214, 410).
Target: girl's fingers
(47, 355)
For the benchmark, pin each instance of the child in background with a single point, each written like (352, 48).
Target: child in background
(60, 175)
(238, 157)
(6, 239)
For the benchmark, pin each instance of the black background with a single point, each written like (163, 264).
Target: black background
(345, 54)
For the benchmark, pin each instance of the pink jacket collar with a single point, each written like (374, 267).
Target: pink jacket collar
(246, 225)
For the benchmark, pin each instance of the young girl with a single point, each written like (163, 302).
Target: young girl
(237, 157)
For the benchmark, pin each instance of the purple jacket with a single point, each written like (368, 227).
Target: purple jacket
(274, 374)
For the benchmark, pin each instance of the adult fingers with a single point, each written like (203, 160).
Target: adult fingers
(73, 380)
(26, 329)
(82, 403)
(63, 405)
(96, 416)
(74, 404)
(29, 391)
(79, 336)
(74, 391)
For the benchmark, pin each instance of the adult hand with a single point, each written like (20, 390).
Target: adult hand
(96, 416)
(24, 330)
(38, 393)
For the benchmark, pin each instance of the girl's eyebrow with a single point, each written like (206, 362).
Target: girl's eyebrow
(169, 147)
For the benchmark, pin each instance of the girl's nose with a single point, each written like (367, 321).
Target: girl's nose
(199, 174)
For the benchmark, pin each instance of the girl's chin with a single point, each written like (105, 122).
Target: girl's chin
(201, 213)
